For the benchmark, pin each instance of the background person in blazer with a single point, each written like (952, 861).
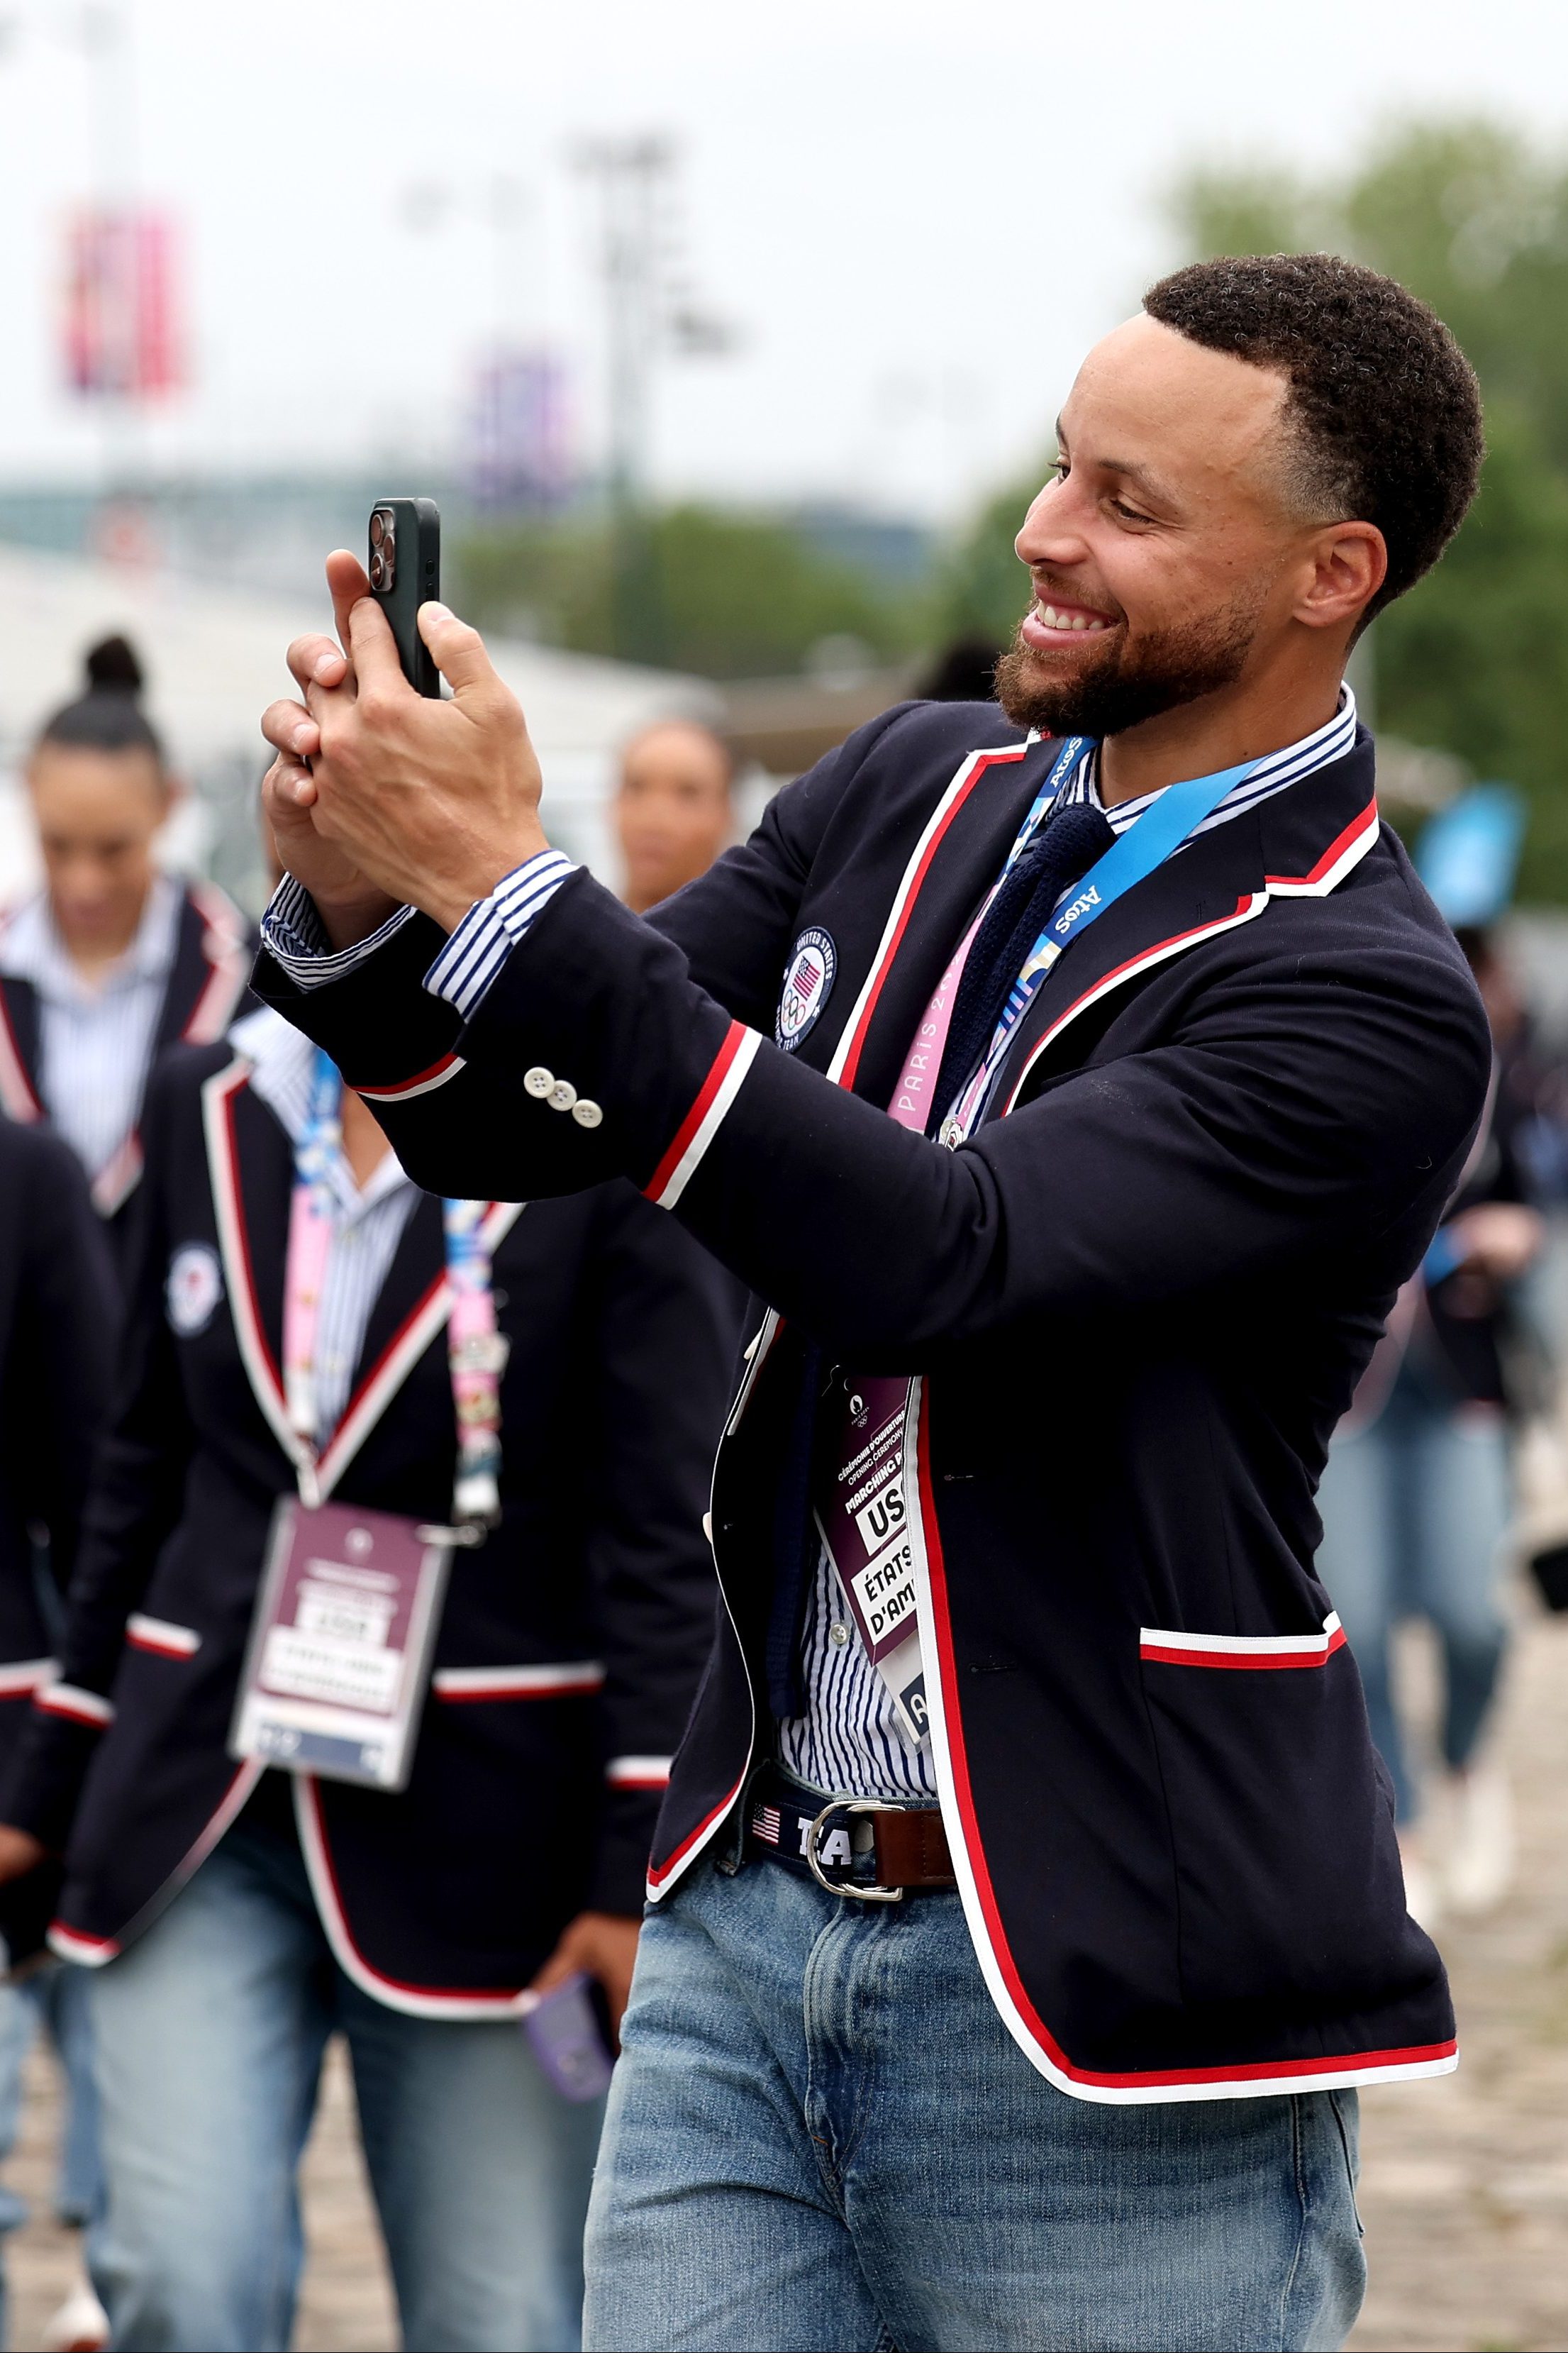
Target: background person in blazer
(114, 959)
(109, 962)
(55, 1351)
(235, 1916)
(1077, 1084)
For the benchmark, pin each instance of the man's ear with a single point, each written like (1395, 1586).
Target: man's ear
(1347, 564)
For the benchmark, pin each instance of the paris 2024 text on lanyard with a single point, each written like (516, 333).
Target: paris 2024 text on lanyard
(344, 1629)
(861, 1503)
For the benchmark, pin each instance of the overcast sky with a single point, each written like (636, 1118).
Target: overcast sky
(917, 212)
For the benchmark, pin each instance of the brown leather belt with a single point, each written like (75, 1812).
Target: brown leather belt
(858, 1847)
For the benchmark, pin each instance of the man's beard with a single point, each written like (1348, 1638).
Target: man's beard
(1136, 678)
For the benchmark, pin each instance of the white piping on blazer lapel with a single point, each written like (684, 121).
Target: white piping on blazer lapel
(228, 957)
(381, 1383)
(234, 1248)
(845, 1061)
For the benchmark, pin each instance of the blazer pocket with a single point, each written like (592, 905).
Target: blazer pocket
(1249, 1653)
(559, 1679)
(1288, 1885)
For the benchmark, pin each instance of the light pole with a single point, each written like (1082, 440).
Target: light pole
(648, 312)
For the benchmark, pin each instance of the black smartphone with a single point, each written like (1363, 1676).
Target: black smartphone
(404, 570)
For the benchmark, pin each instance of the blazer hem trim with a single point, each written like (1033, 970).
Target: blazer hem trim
(392, 1993)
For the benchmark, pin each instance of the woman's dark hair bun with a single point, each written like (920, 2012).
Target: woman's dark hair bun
(107, 715)
(112, 668)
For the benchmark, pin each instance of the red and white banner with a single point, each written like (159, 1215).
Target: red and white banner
(123, 335)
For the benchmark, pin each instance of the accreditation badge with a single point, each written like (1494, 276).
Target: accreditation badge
(341, 1643)
(862, 1517)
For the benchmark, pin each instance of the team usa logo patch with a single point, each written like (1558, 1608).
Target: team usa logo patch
(194, 1288)
(807, 985)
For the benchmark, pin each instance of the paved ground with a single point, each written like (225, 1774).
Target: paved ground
(1465, 2183)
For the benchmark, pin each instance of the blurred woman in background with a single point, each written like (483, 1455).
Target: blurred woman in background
(109, 962)
(114, 959)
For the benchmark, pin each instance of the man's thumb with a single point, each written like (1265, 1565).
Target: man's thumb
(457, 650)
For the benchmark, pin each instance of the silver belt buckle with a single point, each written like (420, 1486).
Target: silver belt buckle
(844, 1886)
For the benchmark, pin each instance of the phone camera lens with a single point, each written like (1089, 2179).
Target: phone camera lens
(377, 569)
(377, 527)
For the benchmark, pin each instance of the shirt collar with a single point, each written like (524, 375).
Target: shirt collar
(1330, 742)
(32, 948)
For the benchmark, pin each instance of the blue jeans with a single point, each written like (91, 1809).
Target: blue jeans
(821, 2135)
(210, 2031)
(57, 1994)
(1415, 1509)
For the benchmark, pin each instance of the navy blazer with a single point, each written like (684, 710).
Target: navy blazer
(54, 1360)
(1137, 1301)
(206, 981)
(569, 1643)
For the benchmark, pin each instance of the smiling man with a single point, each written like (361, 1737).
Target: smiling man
(1075, 1088)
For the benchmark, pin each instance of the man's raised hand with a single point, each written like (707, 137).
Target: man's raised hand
(427, 803)
(349, 904)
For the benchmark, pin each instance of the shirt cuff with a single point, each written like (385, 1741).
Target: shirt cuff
(294, 935)
(493, 928)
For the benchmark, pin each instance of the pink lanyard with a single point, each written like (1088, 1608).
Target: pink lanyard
(476, 1350)
(910, 1106)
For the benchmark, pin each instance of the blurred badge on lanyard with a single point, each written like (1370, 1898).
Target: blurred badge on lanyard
(862, 1517)
(344, 1629)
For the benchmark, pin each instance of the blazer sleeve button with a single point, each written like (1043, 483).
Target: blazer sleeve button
(587, 1112)
(537, 1082)
(561, 1095)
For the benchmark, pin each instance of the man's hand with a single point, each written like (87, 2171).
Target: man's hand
(20, 1852)
(427, 803)
(350, 906)
(603, 1946)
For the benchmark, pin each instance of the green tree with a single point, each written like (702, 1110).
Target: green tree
(982, 588)
(692, 587)
(1474, 658)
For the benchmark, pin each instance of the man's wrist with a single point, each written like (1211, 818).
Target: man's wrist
(447, 898)
(350, 918)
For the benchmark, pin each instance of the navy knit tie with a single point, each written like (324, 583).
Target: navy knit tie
(1066, 846)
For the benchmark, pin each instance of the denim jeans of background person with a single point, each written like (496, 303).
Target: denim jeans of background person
(1417, 1494)
(211, 2031)
(878, 2164)
(1415, 1508)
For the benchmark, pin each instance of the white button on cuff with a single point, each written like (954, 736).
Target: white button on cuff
(561, 1095)
(838, 1634)
(587, 1112)
(538, 1081)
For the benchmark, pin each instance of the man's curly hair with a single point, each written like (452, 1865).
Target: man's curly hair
(1386, 408)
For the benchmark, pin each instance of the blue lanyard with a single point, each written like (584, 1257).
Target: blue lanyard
(1134, 855)
(321, 1137)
